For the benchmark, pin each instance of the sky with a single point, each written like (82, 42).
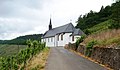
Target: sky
(23, 17)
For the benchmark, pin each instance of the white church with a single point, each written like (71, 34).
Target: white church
(61, 35)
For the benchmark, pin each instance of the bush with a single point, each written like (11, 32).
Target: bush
(13, 62)
(89, 47)
(79, 40)
(87, 32)
(114, 25)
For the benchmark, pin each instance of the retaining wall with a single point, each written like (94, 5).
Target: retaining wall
(106, 56)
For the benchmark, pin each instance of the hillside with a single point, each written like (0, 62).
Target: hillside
(92, 20)
(102, 27)
(107, 38)
(104, 36)
(22, 39)
(9, 50)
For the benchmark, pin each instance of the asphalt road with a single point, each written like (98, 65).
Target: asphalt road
(62, 59)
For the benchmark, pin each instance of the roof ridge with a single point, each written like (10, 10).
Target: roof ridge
(61, 26)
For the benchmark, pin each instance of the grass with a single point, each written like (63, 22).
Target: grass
(38, 62)
(105, 37)
(8, 50)
(108, 38)
(100, 27)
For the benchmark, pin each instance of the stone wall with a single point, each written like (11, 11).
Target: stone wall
(70, 46)
(81, 49)
(106, 56)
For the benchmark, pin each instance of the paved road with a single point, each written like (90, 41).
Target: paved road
(62, 59)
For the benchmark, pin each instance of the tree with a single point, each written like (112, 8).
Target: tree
(106, 13)
(116, 15)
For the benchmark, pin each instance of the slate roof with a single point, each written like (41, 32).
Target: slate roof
(78, 32)
(63, 29)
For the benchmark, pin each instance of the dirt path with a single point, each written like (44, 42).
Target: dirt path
(62, 59)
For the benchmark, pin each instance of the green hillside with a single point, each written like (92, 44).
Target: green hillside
(22, 39)
(108, 16)
(100, 27)
(8, 50)
(103, 26)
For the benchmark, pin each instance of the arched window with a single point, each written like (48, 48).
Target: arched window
(51, 39)
(61, 36)
(72, 38)
(58, 37)
(48, 39)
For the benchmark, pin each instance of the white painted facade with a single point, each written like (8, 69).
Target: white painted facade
(58, 40)
(61, 35)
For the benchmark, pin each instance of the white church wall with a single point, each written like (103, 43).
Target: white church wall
(60, 42)
(54, 42)
(49, 41)
(64, 41)
(66, 38)
(46, 41)
(42, 40)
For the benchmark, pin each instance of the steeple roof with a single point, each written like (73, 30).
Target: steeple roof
(50, 24)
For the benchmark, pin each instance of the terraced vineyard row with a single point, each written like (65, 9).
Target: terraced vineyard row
(18, 61)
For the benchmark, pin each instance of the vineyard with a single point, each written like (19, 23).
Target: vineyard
(19, 60)
(9, 50)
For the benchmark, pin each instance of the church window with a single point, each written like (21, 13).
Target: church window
(48, 39)
(61, 36)
(51, 39)
(58, 37)
(72, 38)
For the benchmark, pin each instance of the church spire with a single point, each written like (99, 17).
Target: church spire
(50, 25)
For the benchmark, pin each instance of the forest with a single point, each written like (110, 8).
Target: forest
(22, 39)
(109, 13)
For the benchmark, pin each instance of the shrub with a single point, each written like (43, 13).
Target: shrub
(79, 40)
(89, 47)
(13, 62)
(87, 32)
(114, 25)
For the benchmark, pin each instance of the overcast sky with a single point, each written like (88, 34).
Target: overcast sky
(22, 17)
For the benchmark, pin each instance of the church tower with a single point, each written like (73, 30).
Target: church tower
(50, 25)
